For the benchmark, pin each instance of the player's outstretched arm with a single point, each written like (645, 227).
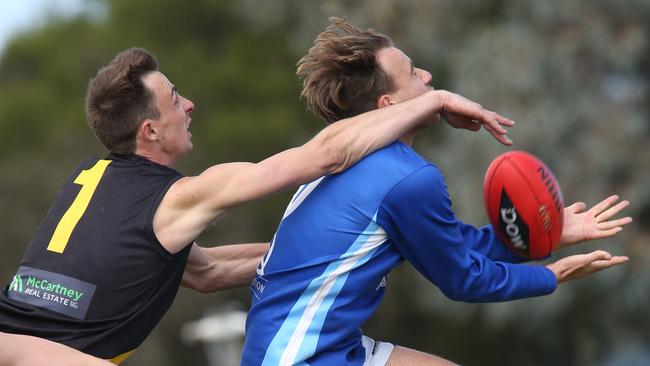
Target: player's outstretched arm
(576, 266)
(595, 223)
(193, 202)
(21, 350)
(223, 267)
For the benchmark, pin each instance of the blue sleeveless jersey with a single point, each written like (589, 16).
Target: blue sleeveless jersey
(340, 236)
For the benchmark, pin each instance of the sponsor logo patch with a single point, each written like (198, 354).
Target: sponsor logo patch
(52, 291)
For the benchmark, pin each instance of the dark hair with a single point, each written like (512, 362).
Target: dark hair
(117, 100)
(340, 74)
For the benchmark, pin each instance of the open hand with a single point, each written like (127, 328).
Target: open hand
(576, 266)
(461, 112)
(595, 223)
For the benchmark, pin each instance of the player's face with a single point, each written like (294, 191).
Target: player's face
(173, 125)
(409, 81)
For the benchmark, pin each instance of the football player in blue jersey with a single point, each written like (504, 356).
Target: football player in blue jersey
(325, 272)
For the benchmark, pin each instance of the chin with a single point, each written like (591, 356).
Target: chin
(188, 149)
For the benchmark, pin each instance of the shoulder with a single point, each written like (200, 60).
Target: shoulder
(398, 151)
(425, 184)
(423, 180)
(389, 164)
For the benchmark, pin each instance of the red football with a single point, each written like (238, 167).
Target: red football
(524, 203)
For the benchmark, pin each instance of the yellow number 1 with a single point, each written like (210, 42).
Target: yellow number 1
(88, 179)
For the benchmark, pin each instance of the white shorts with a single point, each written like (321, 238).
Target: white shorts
(377, 353)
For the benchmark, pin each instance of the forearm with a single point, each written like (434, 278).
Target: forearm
(428, 235)
(333, 150)
(237, 263)
(223, 267)
(345, 142)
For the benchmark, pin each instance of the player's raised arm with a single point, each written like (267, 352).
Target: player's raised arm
(193, 202)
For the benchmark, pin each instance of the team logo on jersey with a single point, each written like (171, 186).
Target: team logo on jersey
(53, 291)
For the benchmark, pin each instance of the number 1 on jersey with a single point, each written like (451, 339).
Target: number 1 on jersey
(89, 180)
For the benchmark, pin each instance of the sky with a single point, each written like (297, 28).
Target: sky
(20, 15)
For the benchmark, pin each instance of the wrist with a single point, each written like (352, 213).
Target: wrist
(557, 272)
(437, 99)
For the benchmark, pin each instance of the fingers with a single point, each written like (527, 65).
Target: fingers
(598, 255)
(494, 123)
(499, 136)
(600, 259)
(491, 121)
(576, 207)
(602, 205)
(577, 266)
(606, 233)
(599, 265)
(612, 211)
(504, 121)
(614, 224)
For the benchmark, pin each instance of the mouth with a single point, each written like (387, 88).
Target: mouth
(187, 129)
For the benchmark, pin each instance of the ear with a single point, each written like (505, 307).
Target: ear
(384, 101)
(148, 130)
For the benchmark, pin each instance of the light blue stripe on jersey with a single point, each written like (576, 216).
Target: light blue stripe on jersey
(297, 338)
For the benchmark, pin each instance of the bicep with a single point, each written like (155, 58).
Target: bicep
(192, 203)
(227, 185)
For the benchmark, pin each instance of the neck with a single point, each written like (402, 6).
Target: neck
(156, 158)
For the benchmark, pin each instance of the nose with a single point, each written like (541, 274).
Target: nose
(189, 105)
(425, 76)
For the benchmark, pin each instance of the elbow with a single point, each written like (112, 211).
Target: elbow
(470, 286)
(461, 294)
(205, 280)
(331, 152)
(336, 161)
(208, 287)
(456, 293)
(195, 283)
(202, 288)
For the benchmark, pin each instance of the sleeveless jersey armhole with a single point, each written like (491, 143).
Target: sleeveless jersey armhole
(152, 211)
